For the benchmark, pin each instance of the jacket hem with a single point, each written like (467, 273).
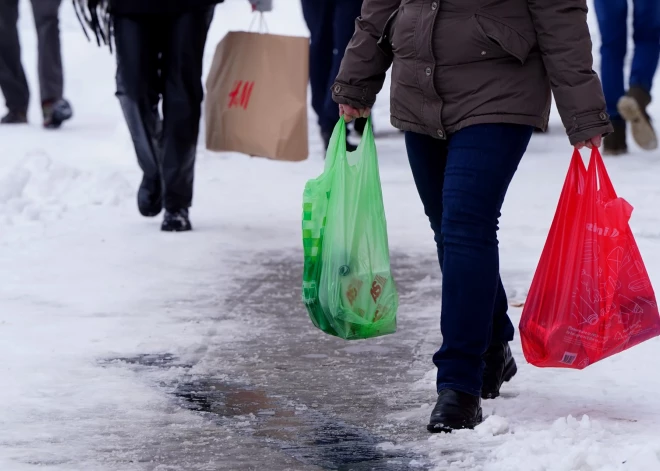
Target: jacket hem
(524, 120)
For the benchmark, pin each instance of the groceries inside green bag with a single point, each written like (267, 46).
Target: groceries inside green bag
(348, 287)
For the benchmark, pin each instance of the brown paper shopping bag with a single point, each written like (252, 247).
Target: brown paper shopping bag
(257, 96)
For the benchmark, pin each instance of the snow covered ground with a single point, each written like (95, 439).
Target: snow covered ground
(88, 288)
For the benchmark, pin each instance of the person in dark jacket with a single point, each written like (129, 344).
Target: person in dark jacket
(470, 81)
(160, 47)
(631, 105)
(13, 83)
(331, 24)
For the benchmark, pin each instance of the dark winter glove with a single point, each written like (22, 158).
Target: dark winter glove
(262, 5)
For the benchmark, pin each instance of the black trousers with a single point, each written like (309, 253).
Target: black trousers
(160, 57)
(12, 76)
(331, 24)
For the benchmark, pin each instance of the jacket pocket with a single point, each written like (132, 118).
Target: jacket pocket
(505, 37)
(385, 43)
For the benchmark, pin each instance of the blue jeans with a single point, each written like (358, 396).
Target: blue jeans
(331, 25)
(462, 183)
(612, 20)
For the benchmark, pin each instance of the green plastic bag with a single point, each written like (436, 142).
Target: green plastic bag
(347, 282)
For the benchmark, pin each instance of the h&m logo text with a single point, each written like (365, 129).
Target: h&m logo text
(240, 94)
(604, 231)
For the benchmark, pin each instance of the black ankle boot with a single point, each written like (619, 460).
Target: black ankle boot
(615, 143)
(56, 112)
(455, 410)
(150, 197)
(500, 368)
(14, 117)
(176, 221)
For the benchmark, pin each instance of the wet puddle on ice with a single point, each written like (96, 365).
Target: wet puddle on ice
(306, 434)
(301, 432)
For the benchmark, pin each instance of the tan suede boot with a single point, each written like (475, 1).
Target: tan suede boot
(632, 108)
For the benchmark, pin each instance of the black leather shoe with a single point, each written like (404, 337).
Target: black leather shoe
(150, 197)
(14, 117)
(176, 221)
(455, 410)
(500, 368)
(56, 112)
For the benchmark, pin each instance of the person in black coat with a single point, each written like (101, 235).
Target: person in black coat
(160, 46)
(331, 24)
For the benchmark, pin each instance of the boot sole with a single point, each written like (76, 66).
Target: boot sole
(642, 130)
(150, 212)
(509, 373)
(178, 229)
(448, 427)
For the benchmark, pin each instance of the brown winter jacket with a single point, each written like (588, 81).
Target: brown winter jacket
(462, 62)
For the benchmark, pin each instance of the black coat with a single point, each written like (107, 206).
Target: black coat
(145, 7)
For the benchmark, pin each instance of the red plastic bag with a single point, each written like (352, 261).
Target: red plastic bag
(591, 296)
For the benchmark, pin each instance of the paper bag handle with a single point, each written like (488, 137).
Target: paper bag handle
(263, 26)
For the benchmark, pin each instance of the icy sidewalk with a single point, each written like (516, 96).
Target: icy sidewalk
(88, 288)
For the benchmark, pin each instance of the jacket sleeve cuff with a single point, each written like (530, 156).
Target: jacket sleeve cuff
(582, 136)
(357, 97)
(585, 126)
(582, 110)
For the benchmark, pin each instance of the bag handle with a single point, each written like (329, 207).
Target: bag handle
(337, 145)
(599, 178)
(263, 26)
(337, 154)
(576, 181)
(367, 140)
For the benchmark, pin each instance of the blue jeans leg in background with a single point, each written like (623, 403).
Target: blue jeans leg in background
(612, 21)
(613, 24)
(646, 36)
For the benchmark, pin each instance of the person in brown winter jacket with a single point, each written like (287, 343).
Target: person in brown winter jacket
(471, 79)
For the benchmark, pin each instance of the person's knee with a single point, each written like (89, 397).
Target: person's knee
(648, 27)
(128, 89)
(615, 34)
(469, 225)
(181, 116)
(132, 84)
(129, 106)
(183, 104)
